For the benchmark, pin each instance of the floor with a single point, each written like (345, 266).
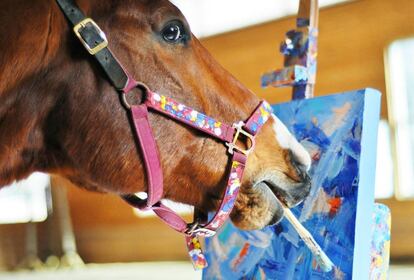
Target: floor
(402, 272)
(134, 271)
(148, 271)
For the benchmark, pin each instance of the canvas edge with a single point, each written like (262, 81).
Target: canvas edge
(367, 166)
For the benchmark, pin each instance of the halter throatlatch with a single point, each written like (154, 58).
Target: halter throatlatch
(94, 40)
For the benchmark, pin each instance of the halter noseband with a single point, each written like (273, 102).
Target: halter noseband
(96, 43)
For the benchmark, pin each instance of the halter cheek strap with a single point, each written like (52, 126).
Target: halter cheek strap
(96, 43)
(227, 134)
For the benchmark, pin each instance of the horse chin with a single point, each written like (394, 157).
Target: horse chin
(261, 205)
(257, 208)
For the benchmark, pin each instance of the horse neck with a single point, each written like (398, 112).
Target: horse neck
(25, 53)
(25, 48)
(31, 80)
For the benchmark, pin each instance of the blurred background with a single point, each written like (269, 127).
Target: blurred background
(365, 43)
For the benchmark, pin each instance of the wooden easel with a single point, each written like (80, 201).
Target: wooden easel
(300, 51)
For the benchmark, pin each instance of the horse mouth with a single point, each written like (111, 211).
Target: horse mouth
(291, 195)
(281, 193)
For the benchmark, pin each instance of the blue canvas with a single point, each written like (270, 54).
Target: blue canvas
(339, 131)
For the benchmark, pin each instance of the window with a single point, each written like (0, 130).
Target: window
(384, 180)
(179, 208)
(210, 17)
(25, 201)
(400, 83)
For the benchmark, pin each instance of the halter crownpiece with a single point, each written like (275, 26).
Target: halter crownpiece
(96, 43)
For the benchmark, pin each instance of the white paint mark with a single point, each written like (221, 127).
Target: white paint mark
(157, 97)
(217, 131)
(194, 114)
(287, 141)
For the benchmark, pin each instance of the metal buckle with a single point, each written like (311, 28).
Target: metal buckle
(92, 50)
(233, 145)
(145, 90)
(196, 229)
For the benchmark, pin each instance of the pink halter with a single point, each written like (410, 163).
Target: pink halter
(95, 41)
(223, 132)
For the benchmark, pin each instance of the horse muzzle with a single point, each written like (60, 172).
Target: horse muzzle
(279, 192)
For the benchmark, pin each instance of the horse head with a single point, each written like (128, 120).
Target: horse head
(59, 114)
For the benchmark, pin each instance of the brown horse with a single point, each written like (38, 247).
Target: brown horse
(59, 114)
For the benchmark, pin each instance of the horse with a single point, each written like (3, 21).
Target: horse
(60, 115)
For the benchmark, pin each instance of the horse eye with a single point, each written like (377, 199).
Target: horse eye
(173, 33)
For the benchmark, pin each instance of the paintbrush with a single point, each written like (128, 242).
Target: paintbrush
(322, 259)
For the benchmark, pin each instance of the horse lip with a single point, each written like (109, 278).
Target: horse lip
(276, 191)
(277, 205)
(289, 198)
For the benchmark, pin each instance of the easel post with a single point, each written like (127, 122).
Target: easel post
(300, 49)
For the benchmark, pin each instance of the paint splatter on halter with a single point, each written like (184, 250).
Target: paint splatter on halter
(96, 43)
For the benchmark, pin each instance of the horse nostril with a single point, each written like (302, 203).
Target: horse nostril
(301, 167)
(303, 170)
(299, 192)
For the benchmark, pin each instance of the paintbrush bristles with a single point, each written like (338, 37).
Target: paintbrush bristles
(323, 260)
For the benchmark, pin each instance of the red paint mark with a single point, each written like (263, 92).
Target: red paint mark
(243, 253)
(316, 156)
(245, 250)
(335, 204)
(314, 264)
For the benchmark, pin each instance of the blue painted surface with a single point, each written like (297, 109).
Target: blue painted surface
(339, 131)
(380, 243)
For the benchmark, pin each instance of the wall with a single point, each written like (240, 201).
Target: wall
(351, 46)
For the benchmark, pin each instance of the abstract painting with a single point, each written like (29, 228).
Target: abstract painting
(339, 131)
(380, 243)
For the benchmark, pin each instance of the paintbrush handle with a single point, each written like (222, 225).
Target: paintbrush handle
(301, 230)
(316, 250)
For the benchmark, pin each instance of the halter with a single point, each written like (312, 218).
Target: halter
(94, 40)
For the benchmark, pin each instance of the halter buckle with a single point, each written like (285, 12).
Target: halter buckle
(240, 131)
(99, 45)
(196, 229)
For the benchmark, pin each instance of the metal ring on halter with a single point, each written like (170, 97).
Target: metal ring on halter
(197, 229)
(144, 89)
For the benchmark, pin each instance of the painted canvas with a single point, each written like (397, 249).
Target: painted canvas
(380, 243)
(339, 131)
